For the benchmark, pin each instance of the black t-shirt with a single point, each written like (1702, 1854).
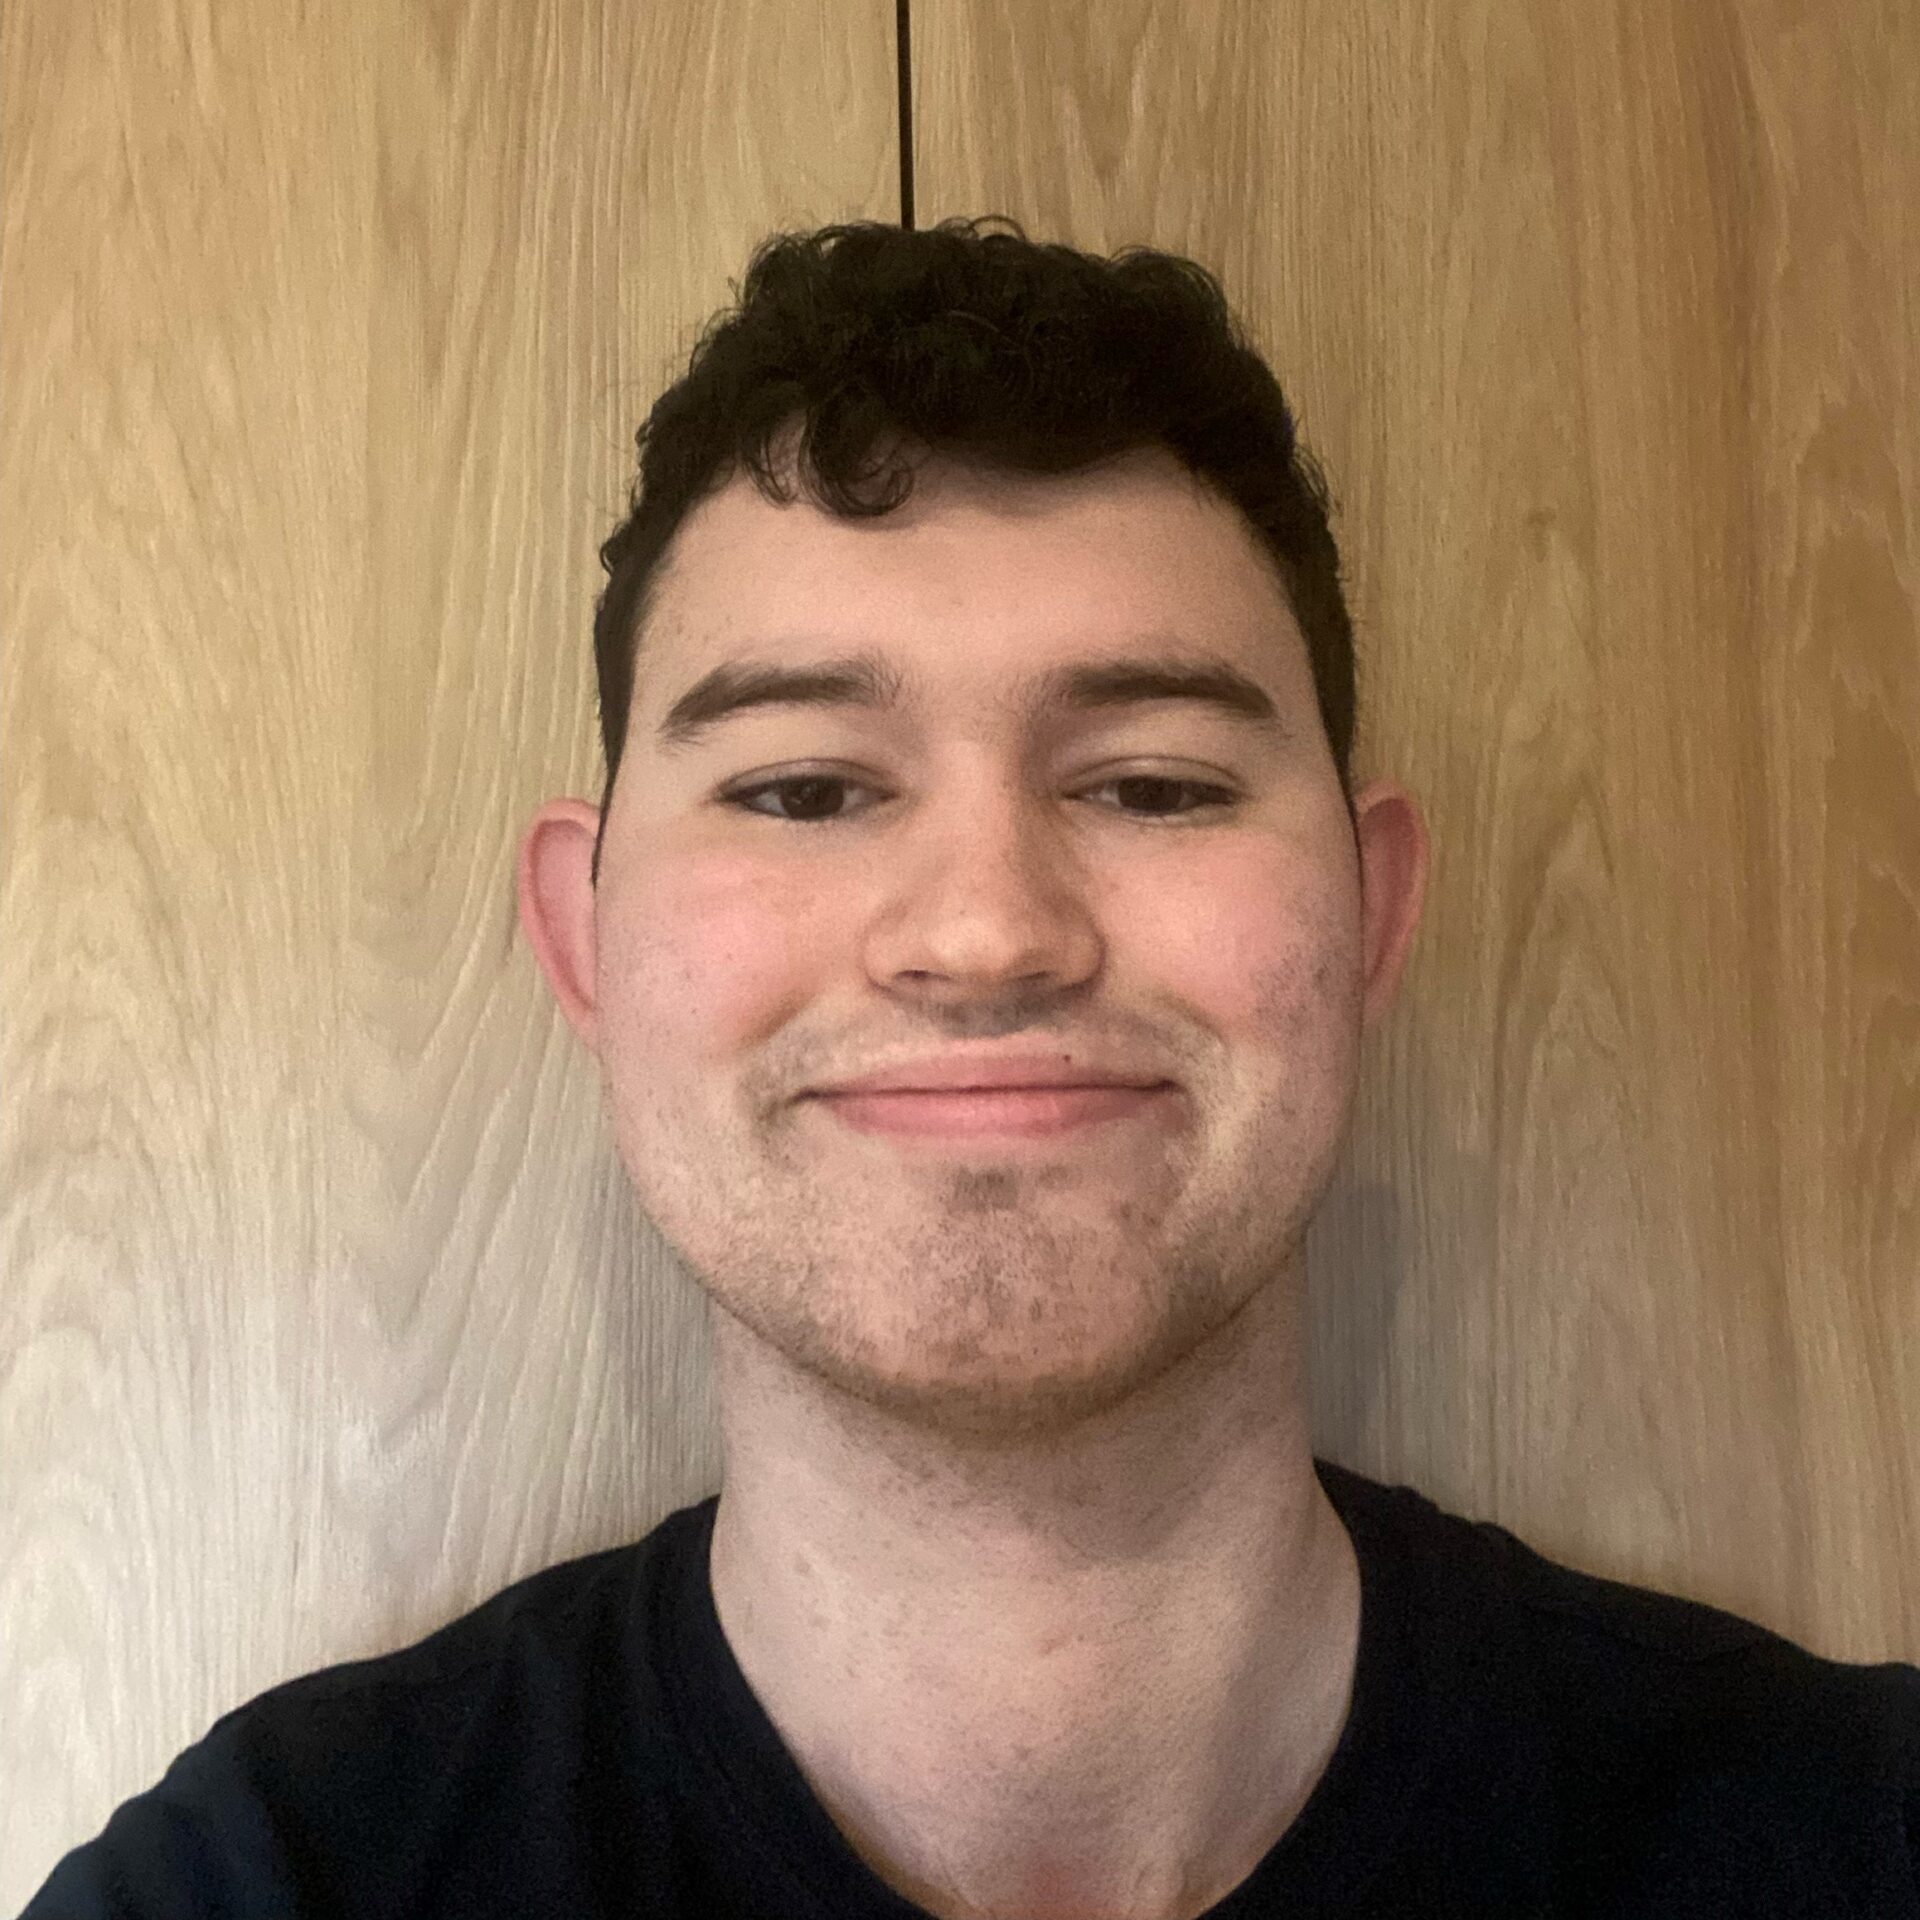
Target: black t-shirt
(1523, 1739)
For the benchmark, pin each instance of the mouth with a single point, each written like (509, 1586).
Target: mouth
(993, 1114)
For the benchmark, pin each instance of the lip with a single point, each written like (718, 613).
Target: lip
(1001, 1114)
(964, 1073)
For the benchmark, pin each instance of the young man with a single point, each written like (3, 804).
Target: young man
(978, 944)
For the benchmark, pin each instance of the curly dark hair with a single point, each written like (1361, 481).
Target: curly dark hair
(1000, 350)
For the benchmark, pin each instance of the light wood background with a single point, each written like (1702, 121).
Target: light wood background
(327, 1310)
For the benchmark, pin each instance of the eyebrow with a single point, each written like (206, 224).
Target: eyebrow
(869, 681)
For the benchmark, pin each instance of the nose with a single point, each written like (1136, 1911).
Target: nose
(987, 887)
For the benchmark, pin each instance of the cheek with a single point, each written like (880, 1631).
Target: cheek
(718, 955)
(714, 955)
(1254, 937)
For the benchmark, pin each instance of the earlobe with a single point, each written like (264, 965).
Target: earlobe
(557, 903)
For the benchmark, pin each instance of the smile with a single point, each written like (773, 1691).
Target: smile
(994, 1113)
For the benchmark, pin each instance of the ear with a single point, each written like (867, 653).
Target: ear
(1395, 850)
(556, 906)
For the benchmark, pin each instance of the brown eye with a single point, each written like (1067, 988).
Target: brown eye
(807, 785)
(812, 792)
(1152, 782)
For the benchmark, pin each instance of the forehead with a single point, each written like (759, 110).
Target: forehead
(977, 573)
(1014, 603)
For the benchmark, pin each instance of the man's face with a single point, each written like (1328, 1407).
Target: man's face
(979, 878)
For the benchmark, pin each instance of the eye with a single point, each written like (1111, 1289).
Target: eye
(810, 787)
(1216, 797)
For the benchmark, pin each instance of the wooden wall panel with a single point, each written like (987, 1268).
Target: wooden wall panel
(326, 1308)
(1604, 321)
(327, 1311)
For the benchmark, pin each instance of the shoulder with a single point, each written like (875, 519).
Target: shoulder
(1639, 1653)
(1677, 1746)
(344, 1784)
(528, 1651)
(1454, 1561)
(549, 1614)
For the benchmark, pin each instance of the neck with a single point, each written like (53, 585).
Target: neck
(1095, 1673)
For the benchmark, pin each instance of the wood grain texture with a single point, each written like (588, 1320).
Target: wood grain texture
(327, 1307)
(1603, 319)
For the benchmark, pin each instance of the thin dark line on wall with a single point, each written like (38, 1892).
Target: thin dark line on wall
(903, 43)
